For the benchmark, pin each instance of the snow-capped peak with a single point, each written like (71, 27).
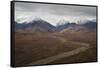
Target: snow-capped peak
(32, 18)
(28, 19)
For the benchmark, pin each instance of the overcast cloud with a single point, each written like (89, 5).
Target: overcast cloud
(53, 13)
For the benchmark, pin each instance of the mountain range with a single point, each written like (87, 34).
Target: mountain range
(44, 26)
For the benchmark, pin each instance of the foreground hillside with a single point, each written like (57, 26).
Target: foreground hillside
(34, 46)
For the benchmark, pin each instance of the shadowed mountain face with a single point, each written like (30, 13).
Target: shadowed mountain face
(64, 26)
(20, 26)
(36, 25)
(44, 26)
(90, 25)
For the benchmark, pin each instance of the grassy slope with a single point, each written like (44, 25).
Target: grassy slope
(34, 46)
(89, 55)
(86, 56)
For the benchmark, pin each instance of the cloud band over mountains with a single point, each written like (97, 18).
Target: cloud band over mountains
(53, 13)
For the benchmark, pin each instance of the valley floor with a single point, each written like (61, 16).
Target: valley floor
(54, 48)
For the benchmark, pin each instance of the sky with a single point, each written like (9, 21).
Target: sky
(53, 13)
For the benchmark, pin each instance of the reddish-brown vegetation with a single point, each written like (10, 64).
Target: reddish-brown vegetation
(30, 47)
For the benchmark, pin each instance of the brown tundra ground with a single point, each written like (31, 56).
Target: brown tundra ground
(36, 48)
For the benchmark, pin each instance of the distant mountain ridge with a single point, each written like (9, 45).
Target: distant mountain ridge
(44, 26)
(36, 25)
(90, 24)
(64, 26)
